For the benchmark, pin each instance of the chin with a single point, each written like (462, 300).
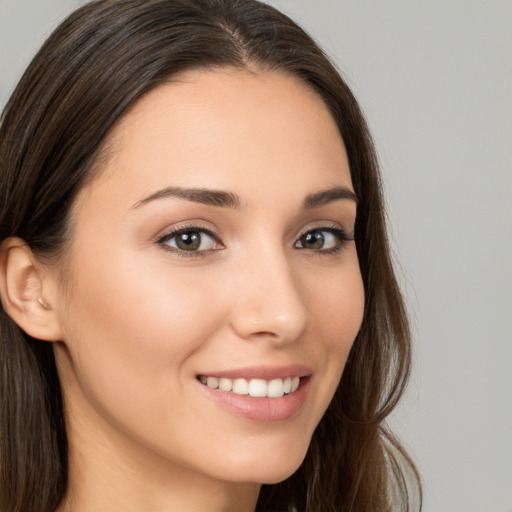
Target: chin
(271, 469)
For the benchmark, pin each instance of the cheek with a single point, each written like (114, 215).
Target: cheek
(337, 307)
(129, 337)
(145, 302)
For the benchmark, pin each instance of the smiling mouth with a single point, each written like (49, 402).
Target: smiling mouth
(274, 388)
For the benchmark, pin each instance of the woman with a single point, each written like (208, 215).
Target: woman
(199, 308)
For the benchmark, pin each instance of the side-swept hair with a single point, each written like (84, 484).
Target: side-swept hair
(91, 70)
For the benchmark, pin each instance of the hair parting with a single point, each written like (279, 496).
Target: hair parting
(53, 136)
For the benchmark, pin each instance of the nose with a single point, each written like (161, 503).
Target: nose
(269, 303)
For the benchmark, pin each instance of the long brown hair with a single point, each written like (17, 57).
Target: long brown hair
(93, 68)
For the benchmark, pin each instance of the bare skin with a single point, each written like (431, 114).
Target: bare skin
(163, 289)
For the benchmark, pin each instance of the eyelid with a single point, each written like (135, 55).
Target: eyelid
(184, 228)
(331, 227)
(176, 230)
(341, 234)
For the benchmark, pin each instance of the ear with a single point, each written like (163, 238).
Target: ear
(23, 282)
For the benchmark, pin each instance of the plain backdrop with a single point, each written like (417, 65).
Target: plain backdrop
(435, 81)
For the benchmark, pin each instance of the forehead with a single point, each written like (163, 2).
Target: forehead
(225, 129)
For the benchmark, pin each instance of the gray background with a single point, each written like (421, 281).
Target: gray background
(435, 80)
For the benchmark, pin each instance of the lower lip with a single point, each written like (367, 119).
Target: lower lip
(264, 410)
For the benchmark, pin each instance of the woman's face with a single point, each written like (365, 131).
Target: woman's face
(214, 249)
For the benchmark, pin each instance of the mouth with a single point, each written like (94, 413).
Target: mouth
(258, 388)
(259, 393)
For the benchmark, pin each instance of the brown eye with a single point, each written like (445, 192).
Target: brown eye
(190, 240)
(322, 239)
(313, 240)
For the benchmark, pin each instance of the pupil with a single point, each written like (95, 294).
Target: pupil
(314, 240)
(189, 241)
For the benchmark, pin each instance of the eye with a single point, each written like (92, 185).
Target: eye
(190, 239)
(323, 239)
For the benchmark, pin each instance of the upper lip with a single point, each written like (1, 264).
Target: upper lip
(262, 372)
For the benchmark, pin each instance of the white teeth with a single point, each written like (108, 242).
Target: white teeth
(225, 384)
(254, 387)
(212, 382)
(240, 387)
(275, 388)
(258, 387)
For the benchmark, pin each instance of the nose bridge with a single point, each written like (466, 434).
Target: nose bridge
(270, 303)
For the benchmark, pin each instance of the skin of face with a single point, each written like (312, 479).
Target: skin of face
(142, 319)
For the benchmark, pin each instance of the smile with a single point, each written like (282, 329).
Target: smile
(274, 388)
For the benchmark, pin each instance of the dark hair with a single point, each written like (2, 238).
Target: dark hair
(90, 71)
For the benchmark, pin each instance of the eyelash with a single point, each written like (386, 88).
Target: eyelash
(339, 233)
(182, 230)
(342, 238)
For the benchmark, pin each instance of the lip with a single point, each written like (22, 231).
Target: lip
(262, 372)
(265, 410)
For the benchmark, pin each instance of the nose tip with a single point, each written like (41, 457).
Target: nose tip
(270, 307)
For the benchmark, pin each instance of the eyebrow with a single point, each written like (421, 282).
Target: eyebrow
(197, 195)
(223, 199)
(328, 196)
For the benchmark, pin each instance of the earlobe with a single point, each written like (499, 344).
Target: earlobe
(22, 288)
